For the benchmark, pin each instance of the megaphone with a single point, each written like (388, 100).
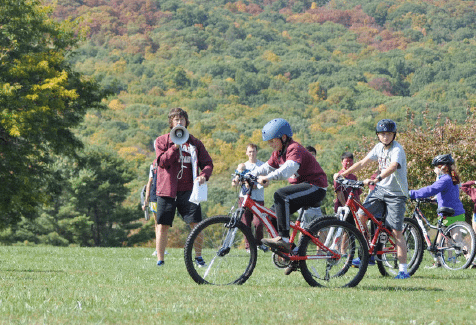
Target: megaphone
(179, 135)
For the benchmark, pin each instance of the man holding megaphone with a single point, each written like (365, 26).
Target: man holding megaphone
(182, 160)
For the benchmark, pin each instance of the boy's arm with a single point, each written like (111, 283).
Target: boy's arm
(384, 173)
(147, 194)
(354, 168)
(389, 170)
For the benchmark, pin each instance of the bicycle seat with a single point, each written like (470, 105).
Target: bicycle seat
(446, 212)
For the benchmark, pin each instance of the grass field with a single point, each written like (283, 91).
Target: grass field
(51, 285)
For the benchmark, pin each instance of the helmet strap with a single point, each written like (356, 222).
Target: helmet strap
(391, 142)
(284, 143)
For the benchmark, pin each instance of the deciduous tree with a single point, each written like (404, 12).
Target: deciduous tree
(41, 99)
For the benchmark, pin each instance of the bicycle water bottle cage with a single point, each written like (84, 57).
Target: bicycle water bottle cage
(445, 212)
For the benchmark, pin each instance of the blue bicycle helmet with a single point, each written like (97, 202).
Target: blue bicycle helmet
(276, 128)
(386, 125)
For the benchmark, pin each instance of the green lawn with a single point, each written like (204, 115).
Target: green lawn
(51, 285)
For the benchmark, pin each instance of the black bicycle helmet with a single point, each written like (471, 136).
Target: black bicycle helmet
(386, 125)
(443, 160)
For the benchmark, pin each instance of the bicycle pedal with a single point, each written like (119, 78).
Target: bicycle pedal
(280, 254)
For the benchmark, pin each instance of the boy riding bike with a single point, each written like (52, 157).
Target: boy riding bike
(391, 189)
(291, 161)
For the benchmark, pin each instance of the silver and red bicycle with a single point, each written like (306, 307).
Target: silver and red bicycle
(453, 246)
(324, 255)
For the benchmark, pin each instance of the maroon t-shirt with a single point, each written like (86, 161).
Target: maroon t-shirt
(309, 169)
(345, 191)
(186, 182)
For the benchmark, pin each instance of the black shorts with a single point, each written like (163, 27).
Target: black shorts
(166, 206)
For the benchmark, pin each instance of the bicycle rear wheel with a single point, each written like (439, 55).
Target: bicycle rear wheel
(388, 263)
(223, 249)
(320, 268)
(459, 248)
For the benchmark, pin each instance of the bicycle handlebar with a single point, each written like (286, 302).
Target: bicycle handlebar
(350, 183)
(246, 177)
(424, 200)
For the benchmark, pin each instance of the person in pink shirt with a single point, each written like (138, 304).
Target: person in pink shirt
(470, 189)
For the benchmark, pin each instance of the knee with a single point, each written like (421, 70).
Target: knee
(162, 228)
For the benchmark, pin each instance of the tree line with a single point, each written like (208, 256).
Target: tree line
(87, 89)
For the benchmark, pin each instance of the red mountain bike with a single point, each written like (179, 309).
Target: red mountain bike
(325, 253)
(381, 242)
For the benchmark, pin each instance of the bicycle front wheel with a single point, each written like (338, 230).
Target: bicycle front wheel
(223, 250)
(388, 263)
(457, 246)
(320, 268)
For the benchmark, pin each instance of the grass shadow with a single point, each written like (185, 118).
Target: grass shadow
(34, 271)
(399, 288)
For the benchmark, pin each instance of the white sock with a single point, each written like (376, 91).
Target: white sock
(402, 268)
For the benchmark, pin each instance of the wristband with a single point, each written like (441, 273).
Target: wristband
(379, 178)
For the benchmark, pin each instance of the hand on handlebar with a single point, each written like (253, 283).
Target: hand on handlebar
(235, 181)
(337, 176)
(369, 181)
(263, 181)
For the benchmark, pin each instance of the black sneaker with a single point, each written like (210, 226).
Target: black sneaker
(264, 248)
(200, 262)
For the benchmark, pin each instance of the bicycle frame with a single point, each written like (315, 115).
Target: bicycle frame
(382, 233)
(265, 214)
(422, 220)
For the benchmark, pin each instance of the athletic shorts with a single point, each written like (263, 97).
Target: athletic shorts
(451, 220)
(166, 207)
(378, 200)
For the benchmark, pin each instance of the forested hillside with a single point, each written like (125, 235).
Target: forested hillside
(331, 68)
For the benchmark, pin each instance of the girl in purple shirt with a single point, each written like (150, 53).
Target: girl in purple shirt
(446, 188)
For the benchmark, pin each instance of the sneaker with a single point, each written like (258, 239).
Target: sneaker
(434, 266)
(264, 248)
(402, 275)
(452, 260)
(200, 262)
(160, 263)
(356, 261)
(277, 243)
(292, 267)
